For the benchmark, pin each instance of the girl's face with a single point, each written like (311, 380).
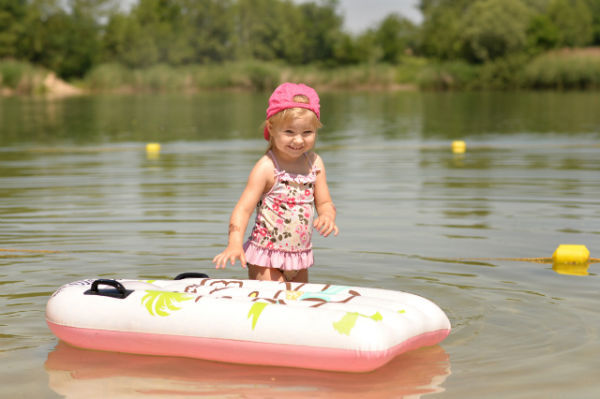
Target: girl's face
(293, 138)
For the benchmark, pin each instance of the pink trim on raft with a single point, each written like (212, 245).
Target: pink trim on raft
(246, 352)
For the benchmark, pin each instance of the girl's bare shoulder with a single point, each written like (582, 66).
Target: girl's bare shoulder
(264, 170)
(315, 159)
(265, 164)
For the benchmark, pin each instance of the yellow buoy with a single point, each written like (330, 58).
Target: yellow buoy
(152, 151)
(152, 147)
(459, 147)
(571, 254)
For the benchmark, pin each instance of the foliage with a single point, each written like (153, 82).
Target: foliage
(449, 75)
(542, 33)
(250, 43)
(70, 44)
(440, 31)
(396, 36)
(594, 6)
(21, 77)
(11, 73)
(564, 69)
(494, 28)
(12, 15)
(253, 75)
(573, 21)
(502, 73)
(108, 76)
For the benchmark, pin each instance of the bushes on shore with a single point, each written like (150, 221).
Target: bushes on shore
(21, 78)
(566, 69)
(250, 75)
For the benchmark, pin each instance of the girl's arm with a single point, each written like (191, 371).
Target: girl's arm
(325, 222)
(258, 181)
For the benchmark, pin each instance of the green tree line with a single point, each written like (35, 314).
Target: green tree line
(483, 30)
(71, 37)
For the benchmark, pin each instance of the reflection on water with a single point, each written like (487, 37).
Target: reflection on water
(75, 372)
(98, 119)
(570, 269)
(348, 118)
(80, 198)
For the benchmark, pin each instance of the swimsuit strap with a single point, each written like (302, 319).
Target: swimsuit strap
(278, 169)
(281, 174)
(311, 165)
(274, 160)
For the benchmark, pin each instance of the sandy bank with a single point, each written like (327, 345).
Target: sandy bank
(58, 87)
(47, 84)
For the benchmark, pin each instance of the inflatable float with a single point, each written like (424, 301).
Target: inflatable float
(314, 326)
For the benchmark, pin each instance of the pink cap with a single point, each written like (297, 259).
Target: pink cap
(283, 98)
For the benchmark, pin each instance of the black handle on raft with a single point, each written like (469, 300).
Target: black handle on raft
(190, 275)
(121, 291)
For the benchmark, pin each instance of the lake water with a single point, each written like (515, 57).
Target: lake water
(80, 198)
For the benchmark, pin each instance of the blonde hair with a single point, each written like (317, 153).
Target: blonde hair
(289, 114)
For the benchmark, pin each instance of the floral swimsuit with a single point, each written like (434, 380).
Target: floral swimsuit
(281, 236)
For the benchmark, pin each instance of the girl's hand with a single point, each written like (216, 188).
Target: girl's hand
(230, 254)
(325, 225)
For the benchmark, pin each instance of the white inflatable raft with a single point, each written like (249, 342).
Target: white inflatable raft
(313, 326)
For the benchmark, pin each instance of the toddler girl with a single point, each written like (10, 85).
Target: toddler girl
(285, 186)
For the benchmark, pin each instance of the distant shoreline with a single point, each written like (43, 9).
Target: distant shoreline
(562, 69)
(247, 76)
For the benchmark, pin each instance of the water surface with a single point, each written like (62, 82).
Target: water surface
(80, 198)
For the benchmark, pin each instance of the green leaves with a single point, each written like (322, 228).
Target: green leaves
(162, 303)
(348, 321)
(262, 37)
(255, 311)
(494, 28)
